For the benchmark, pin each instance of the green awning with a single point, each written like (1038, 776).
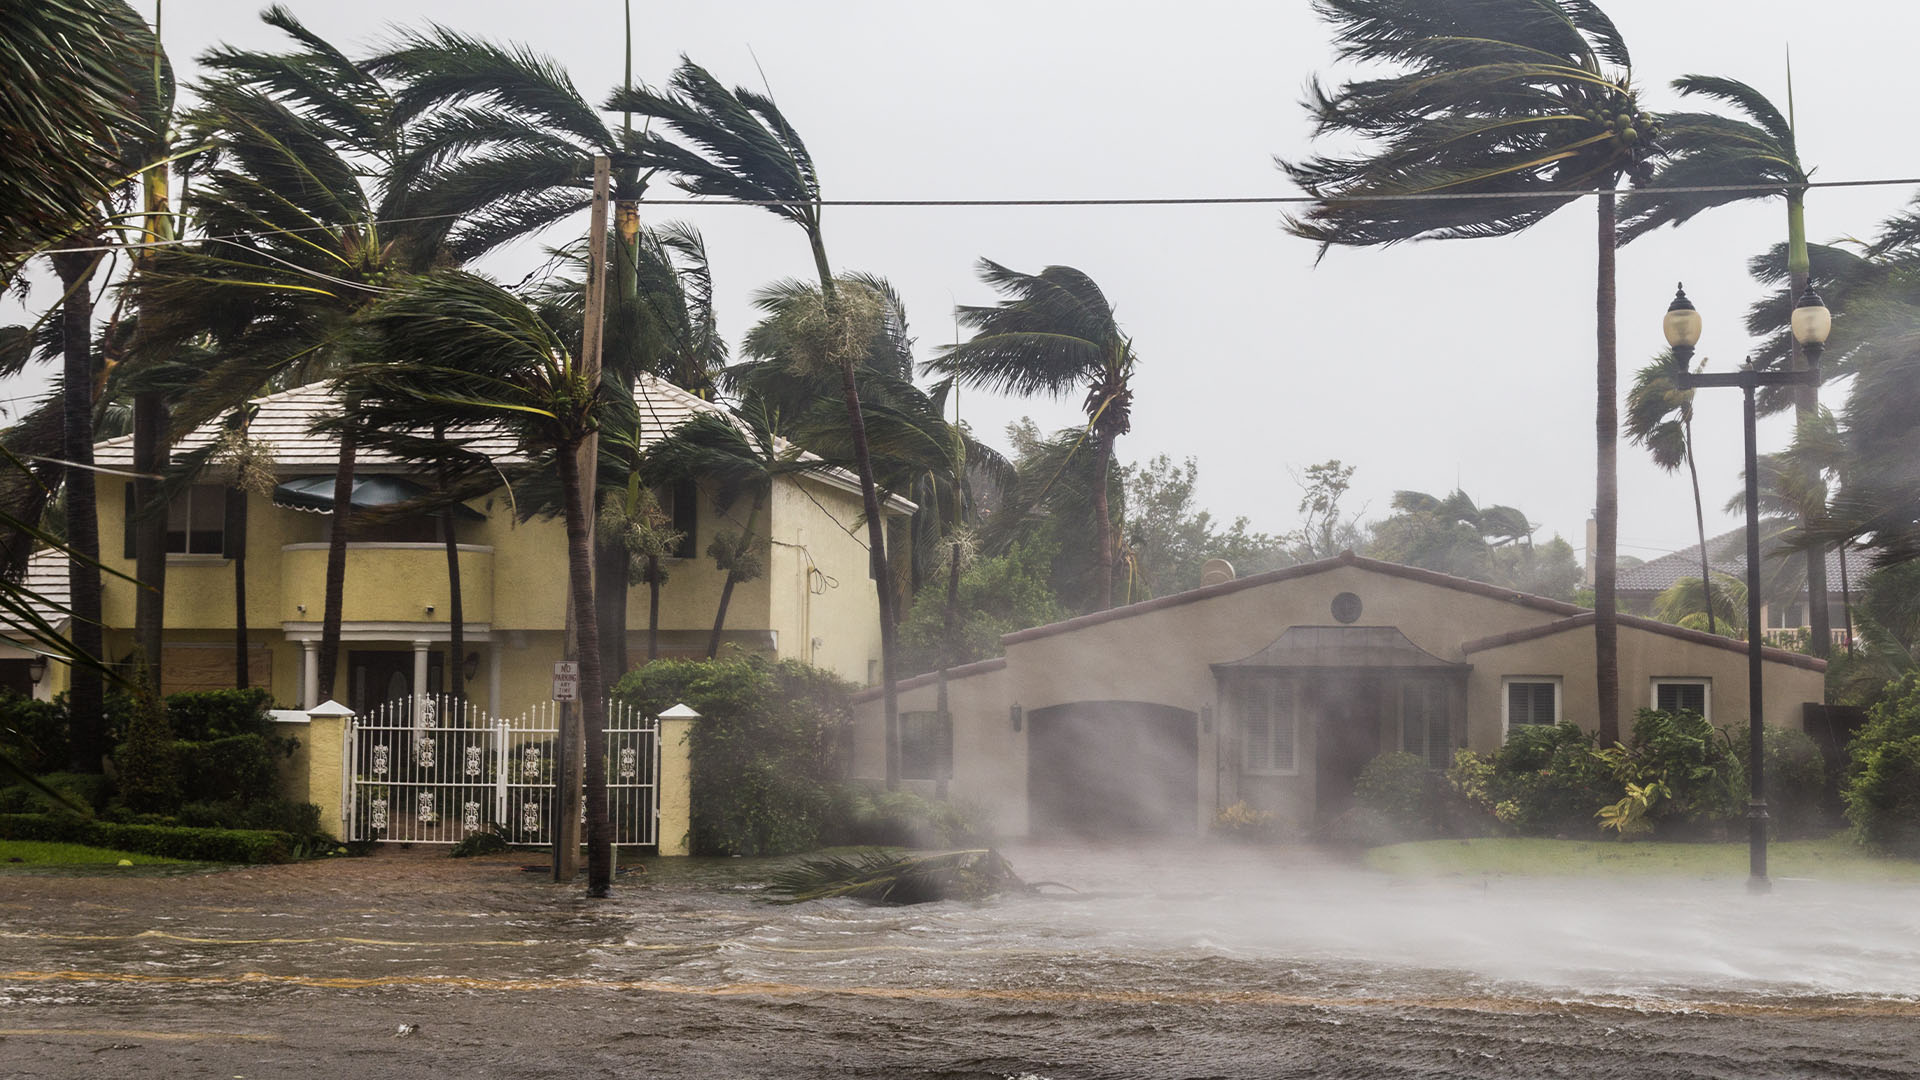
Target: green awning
(369, 492)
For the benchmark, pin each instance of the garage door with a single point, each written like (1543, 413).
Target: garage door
(1112, 768)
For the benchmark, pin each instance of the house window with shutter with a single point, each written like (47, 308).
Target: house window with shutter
(680, 501)
(1268, 729)
(197, 521)
(1531, 700)
(926, 746)
(1684, 695)
(1424, 727)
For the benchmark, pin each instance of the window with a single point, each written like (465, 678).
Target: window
(1267, 728)
(1684, 695)
(681, 501)
(197, 521)
(926, 746)
(1786, 616)
(1424, 729)
(1532, 700)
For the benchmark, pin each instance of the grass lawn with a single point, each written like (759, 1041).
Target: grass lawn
(43, 853)
(1829, 858)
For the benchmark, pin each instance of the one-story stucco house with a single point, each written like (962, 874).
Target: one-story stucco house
(1276, 689)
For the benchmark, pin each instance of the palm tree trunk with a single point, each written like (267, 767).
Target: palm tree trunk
(150, 529)
(949, 650)
(1846, 598)
(456, 611)
(1103, 527)
(337, 559)
(86, 698)
(236, 540)
(1806, 402)
(1606, 424)
(726, 589)
(653, 608)
(593, 703)
(1699, 523)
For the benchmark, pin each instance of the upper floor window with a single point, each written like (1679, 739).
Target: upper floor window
(681, 502)
(1532, 700)
(1684, 695)
(197, 521)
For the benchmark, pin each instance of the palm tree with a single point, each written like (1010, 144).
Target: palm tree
(1691, 602)
(1055, 333)
(738, 145)
(469, 354)
(1660, 418)
(1527, 102)
(1708, 150)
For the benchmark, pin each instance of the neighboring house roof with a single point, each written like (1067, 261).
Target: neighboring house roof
(1654, 626)
(46, 578)
(978, 667)
(1726, 554)
(1341, 646)
(1345, 558)
(285, 421)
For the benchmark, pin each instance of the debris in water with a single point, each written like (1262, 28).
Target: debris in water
(879, 877)
(406, 1030)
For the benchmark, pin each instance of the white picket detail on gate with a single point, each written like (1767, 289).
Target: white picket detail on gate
(435, 769)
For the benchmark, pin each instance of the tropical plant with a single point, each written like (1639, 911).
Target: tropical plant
(1171, 540)
(881, 877)
(1527, 104)
(1882, 794)
(466, 353)
(1660, 419)
(1054, 334)
(1719, 609)
(738, 145)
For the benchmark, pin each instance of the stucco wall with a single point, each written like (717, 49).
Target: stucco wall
(989, 757)
(824, 590)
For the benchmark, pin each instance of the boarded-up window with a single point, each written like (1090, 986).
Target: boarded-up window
(1424, 730)
(1268, 727)
(1532, 701)
(1681, 695)
(210, 667)
(926, 746)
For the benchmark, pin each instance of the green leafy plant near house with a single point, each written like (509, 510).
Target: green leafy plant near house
(1677, 774)
(1549, 780)
(1883, 795)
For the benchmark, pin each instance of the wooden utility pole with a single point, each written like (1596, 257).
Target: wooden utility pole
(581, 748)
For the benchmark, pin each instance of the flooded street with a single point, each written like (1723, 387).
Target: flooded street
(1167, 962)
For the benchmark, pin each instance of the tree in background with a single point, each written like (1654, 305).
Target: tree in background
(1660, 419)
(1495, 98)
(1493, 544)
(1324, 530)
(997, 595)
(1170, 538)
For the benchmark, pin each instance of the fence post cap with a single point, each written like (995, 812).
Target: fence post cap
(329, 708)
(682, 711)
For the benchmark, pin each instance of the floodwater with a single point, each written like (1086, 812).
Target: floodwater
(1169, 961)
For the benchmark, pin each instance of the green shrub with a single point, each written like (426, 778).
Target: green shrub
(901, 819)
(1704, 784)
(1550, 780)
(1404, 792)
(767, 751)
(243, 767)
(201, 845)
(209, 715)
(87, 789)
(272, 815)
(1796, 778)
(1883, 794)
(34, 733)
(147, 763)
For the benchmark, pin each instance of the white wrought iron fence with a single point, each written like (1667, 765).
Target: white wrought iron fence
(436, 769)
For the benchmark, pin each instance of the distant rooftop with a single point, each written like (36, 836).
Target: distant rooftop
(1726, 554)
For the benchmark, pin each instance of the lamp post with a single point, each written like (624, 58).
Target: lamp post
(1811, 324)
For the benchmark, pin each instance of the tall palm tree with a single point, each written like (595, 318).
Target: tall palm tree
(1709, 150)
(1660, 419)
(470, 354)
(1054, 334)
(737, 144)
(1527, 102)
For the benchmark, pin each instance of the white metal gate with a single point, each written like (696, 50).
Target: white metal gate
(435, 769)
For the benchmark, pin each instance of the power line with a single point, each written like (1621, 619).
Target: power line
(1227, 200)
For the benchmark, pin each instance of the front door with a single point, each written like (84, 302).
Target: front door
(376, 676)
(1346, 737)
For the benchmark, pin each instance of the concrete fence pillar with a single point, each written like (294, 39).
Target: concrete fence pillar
(326, 764)
(675, 824)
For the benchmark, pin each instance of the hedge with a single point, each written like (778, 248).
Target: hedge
(172, 841)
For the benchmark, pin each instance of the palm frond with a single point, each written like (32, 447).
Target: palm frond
(876, 876)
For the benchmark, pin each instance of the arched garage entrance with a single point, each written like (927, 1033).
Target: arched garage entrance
(1112, 768)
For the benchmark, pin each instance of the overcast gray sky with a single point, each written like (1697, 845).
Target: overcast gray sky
(1425, 365)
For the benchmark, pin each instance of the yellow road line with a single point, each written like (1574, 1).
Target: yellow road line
(133, 1033)
(164, 935)
(1270, 999)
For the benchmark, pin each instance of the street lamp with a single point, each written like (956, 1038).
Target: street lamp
(1811, 324)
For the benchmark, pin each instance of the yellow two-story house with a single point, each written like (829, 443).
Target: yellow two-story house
(815, 602)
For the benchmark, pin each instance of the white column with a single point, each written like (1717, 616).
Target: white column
(309, 674)
(420, 649)
(494, 646)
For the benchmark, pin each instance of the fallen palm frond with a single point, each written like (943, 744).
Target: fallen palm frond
(880, 877)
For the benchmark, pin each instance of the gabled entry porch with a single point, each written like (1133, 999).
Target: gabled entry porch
(1305, 714)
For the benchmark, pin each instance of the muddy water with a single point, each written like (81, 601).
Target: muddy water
(1169, 962)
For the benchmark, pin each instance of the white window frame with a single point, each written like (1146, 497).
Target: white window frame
(185, 500)
(1426, 734)
(1506, 699)
(1242, 694)
(1706, 697)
